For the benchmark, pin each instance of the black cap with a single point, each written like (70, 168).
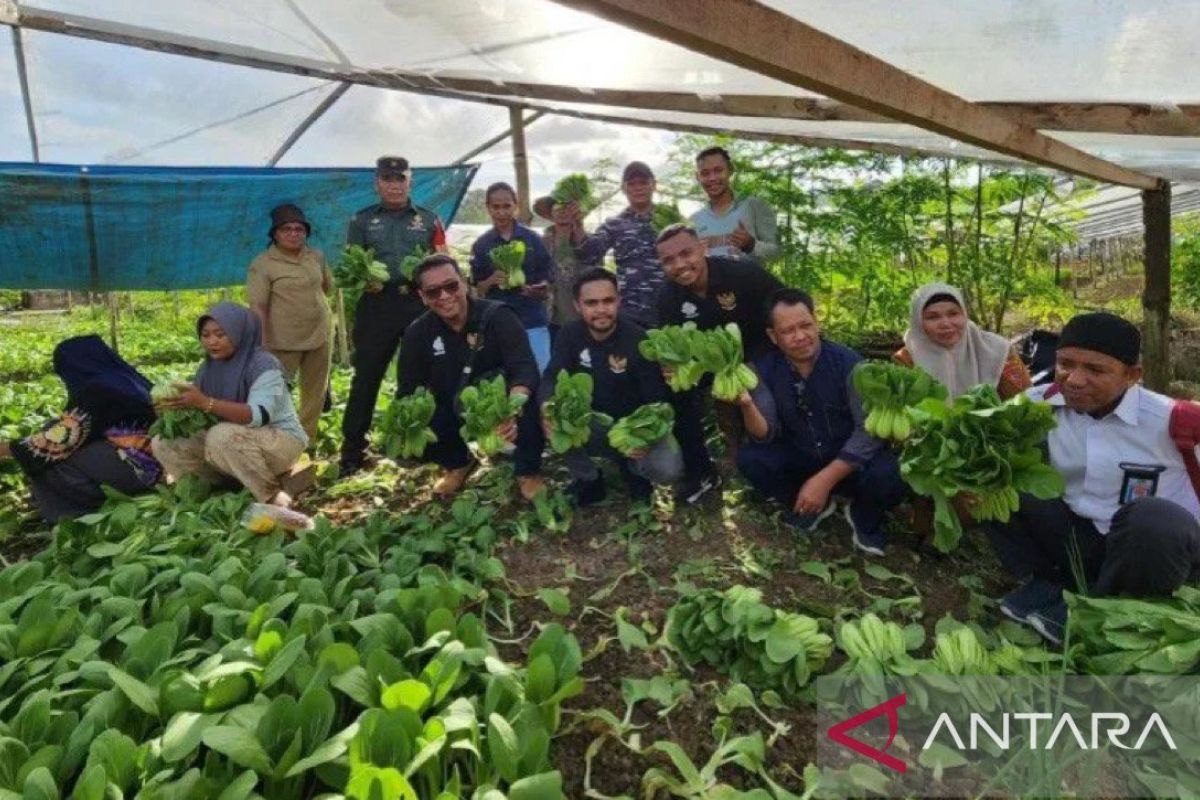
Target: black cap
(288, 212)
(391, 166)
(1104, 333)
(637, 169)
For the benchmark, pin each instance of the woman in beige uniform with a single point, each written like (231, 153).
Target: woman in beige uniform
(286, 287)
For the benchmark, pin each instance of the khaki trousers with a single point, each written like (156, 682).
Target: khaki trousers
(255, 457)
(314, 367)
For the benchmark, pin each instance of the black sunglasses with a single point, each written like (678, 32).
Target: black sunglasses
(449, 287)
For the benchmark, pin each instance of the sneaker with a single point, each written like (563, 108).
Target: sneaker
(586, 493)
(807, 523)
(451, 482)
(870, 542)
(692, 490)
(1019, 605)
(530, 486)
(1050, 622)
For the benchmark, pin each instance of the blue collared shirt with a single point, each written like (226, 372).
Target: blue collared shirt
(539, 267)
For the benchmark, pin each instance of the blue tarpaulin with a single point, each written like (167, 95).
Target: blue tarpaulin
(104, 228)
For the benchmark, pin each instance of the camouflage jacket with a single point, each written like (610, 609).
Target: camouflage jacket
(639, 275)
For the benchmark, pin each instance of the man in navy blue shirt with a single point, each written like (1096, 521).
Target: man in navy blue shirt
(805, 425)
(528, 301)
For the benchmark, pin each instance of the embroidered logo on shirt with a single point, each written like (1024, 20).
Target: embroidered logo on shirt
(418, 224)
(585, 358)
(689, 310)
(727, 301)
(439, 347)
(617, 363)
(474, 341)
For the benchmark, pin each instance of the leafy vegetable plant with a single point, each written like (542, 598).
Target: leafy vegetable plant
(510, 259)
(645, 427)
(569, 412)
(405, 428)
(485, 407)
(358, 270)
(887, 390)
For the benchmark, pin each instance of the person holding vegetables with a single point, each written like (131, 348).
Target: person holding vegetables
(944, 342)
(457, 350)
(557, 240)
(630, 235)
(629, 393)
(257, 437)
(510, 264)
(394, 229)
(732, 226)
(804, 421)
(710, 291)
(286, 286)
(1127, 520)
(99, 440)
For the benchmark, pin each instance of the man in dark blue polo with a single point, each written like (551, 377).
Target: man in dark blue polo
(394, 228)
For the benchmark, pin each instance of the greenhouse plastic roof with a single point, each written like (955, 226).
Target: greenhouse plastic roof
(97, 101)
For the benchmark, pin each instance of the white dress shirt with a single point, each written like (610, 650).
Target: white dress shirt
(1089, 452)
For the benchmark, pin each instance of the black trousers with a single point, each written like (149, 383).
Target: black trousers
(1152, 547)
(72, 488)
(379, 323)
(690, 409)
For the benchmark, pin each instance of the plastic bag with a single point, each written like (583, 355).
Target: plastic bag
(262, 519)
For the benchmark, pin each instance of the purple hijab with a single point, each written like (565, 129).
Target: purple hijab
(232, 378)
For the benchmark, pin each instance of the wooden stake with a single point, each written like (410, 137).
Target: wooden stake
(114, 318)
(1156, 298)
(343, 335)
(516, 122)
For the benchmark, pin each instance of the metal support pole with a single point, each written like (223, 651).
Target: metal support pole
(23, 79)
(308, 122)
(495, 140)
(1156, 298)
(516, 123)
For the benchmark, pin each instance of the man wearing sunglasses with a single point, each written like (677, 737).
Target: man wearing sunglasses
(462, 340)
(394, 228)
(805, 425)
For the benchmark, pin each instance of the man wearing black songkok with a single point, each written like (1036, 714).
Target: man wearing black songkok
(1127, 521)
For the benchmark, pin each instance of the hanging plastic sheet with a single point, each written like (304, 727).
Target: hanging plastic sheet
(105, 228)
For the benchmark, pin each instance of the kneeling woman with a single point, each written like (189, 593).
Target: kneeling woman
(259, 437)
(99, 440)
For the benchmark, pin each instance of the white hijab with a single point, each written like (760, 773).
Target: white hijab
(978, 357)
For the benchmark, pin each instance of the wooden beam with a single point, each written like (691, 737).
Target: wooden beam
(308, 122)
(1135, 119)
(782, 47)
(1156, 297)
(483, 147)
(516, 125)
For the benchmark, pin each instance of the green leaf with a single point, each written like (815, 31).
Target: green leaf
(241, 788)
(184, 733)
(629, 635)
(411, 694)
(785, 640)
(138, 693)
(540, 679)
(817, 569)
(556, 600)
(882, 573)
(503, 746)
(330, 750)
(368, 782)
(282, 661)
(40, 785)
(239, 745)
(118, 755)
(545, 786)
(91, 785)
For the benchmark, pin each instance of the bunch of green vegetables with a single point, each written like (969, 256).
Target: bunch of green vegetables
(673, 346)
(735, 632)
(359, 270)
(719, 351)
(177, 423)
(405, 429)
(887, 390)
(664, 215)
(648, 425)
(1115, 636)
(980, 447)
(485, 407)
(409, 264)
(574, 188)
(510, 259)
(569, 412)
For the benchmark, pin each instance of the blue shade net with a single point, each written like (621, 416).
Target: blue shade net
(102, 228)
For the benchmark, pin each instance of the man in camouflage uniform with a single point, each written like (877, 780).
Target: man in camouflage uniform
(630, 236)
(394, 228)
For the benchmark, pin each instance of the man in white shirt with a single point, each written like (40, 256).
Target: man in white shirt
(1127, 521)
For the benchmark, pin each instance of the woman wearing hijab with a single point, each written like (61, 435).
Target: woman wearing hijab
(942, 341)
(286, 285)
(259, 437)
(100, 439)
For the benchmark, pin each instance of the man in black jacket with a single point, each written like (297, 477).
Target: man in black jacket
(710, 291)
(605, 346)
(457, 342)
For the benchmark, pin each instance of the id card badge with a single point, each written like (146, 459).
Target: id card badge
(1141, 480)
